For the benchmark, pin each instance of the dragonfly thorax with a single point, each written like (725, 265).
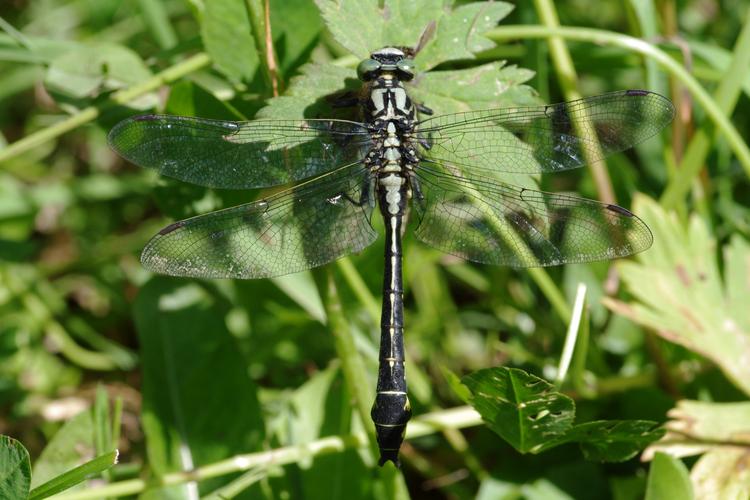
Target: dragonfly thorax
(391, 115)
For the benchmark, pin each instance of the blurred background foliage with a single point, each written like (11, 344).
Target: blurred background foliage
(200, 371)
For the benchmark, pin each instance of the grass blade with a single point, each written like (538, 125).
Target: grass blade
(75, 476)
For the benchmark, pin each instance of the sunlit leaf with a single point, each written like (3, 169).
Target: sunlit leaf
(225, 29)
(667, 479)
(458, 34)
(529, 414)
(687, 301)
(358, 26)
(521, 408)
(445, 32)
(89, 70)
(307, 92)
(493, 85)
(15, 469)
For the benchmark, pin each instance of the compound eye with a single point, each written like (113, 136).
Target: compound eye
(406, 68)
(367, 69)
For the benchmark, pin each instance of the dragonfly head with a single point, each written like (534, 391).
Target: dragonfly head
(388, 60)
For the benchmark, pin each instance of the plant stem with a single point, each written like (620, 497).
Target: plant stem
(551, 292)
(629, 43)
(258, 12)
(91, 113)
(358, 286)
(726, 95)
(568, 79)
(352, 365)
(455, 418)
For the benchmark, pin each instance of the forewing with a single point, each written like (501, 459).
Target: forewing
(301, 228)
(238, 155)
(544, 139)
(500, 224)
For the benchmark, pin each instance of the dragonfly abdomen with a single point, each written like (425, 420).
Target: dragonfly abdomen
(391, 410)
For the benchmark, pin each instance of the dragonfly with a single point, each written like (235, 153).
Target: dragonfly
(444, 171)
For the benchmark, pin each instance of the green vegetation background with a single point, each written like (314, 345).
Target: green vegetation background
(240, 381)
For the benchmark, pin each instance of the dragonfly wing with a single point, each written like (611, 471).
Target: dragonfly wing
(238, 155)
(297, 229)
(501, 224)
(544, 139)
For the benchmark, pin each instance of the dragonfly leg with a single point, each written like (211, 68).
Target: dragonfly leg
(424, 109)
(416, 190)
(364, 195)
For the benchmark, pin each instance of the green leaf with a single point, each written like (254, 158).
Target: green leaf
(668, 479)
(225, 29)
(544, 489)
(455, 383)
(449, 33)
(687, 302)
(736, 282)
(75, 476)
(404, 21)
(495, 489)
(614, 440)
(458, 34)
(303, 98)
(526, 411)
(358, 26)
(15, 469)
(88, 70)
(322, 407)
(296, 27)
(71, 446)
(188, 99)
(199, 405)
(38, 51)
(308, 408)
(492, 85)
(521, 408)
(300, 287)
